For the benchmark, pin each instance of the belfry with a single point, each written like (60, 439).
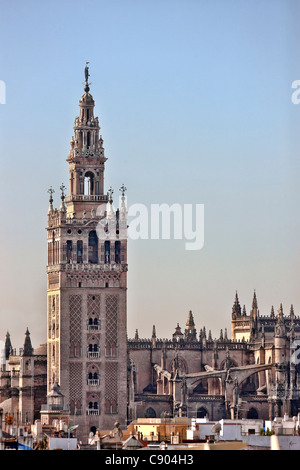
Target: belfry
(87, 284)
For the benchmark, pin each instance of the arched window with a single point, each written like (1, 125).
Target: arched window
(118, 252)
(107, 251)
(252, 414)
(93, 323)
(150, 413)
(79, 251)
(111, 349)
(80, 139)
(69, 251)
(201, 412)
(93, 407)
(93, 377)
(89, 183)
(93, 349)
(93, 247)
(78, 408)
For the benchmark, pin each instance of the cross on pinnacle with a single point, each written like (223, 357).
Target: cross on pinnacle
(62, 188)
(123, 189)
(51, 192)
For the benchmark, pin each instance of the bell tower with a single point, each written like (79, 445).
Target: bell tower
(87, 285)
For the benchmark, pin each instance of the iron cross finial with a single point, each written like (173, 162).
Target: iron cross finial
(123, 189)
(62, 188)
(51, 192)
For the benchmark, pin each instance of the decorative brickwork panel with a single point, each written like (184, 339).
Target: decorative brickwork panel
(75, 307)
(111, 387)
(57, 315)
(76, 385)
(53, 316)
(111, 324)
(49, 315)
(94, 305)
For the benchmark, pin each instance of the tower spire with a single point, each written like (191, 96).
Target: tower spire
(190, 330)
(254, 311)
(8, 346)
(254, 302)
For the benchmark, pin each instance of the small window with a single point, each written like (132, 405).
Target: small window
(69, 251)
(118, 252)
(79, 251)
(93, 247)
(89, 183)
(107, 251)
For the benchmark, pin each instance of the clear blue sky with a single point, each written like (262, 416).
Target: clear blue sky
(194, 103)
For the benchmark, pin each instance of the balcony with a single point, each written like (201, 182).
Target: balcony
(93, 354)
(55, 407)
(85, 197)
(95, 327)
(92, 411)
(93, 382)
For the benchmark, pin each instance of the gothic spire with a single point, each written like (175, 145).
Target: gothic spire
(190, 321)
(292, 314)
(236, 309)
(254, 302)
(8, 346)
(153, 336)
(27, 348)
(254, 311)
(280, 312)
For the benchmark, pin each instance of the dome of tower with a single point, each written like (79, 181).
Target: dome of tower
(87, 100)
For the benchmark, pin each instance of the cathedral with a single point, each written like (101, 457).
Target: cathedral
(254, 374)
(105, 377)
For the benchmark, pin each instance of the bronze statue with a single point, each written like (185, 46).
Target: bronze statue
(86, 72)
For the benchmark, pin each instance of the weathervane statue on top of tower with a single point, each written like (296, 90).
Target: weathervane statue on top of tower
(86, 74)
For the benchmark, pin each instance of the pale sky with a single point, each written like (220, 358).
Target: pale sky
(194, 103)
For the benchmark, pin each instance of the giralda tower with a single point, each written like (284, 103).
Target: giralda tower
(87, 285)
